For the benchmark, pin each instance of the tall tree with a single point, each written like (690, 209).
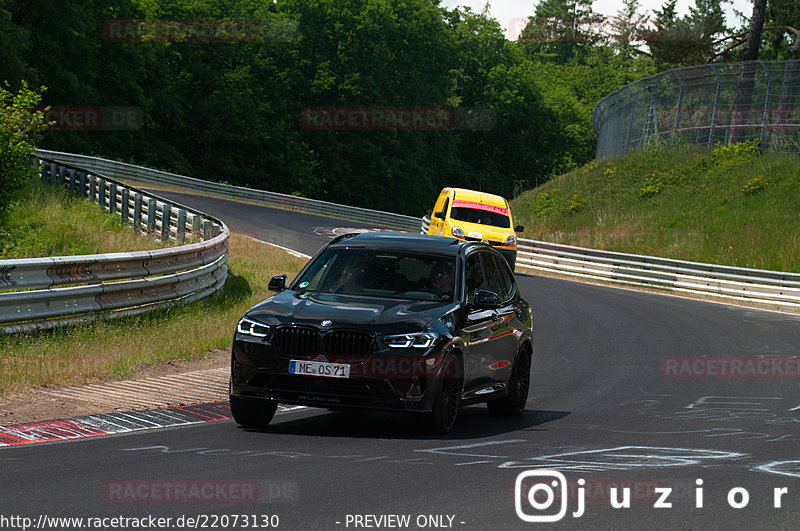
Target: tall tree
(689, 40)
(561, 31)
(14, 46)
(783, 30)
(756, 28)
(628, 26)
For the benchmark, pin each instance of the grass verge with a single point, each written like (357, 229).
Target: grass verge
(730, 205)
(116, 349)
(47, 220)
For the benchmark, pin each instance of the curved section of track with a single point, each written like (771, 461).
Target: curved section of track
(627, 390)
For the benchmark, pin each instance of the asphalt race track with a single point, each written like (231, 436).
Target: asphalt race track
(620, 397)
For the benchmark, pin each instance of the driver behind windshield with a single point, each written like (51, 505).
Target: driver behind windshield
(441, 279)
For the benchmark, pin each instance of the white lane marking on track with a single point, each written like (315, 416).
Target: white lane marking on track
(782, 468)
(446, 450)
(726, 401)
(624, 458)
(282, 248)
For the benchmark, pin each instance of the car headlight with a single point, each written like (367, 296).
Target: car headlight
(457, 232)
(253, 328)
(415, 340)
(511, 241)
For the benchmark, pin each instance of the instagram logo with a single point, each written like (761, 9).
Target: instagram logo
(540, 489)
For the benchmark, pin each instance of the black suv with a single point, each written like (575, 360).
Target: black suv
(389, 321)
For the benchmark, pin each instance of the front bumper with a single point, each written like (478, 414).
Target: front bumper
(381, 381)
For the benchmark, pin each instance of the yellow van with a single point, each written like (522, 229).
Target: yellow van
(469, 215)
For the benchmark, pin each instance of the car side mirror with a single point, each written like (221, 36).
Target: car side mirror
(485, 299)
(277, 283)
(519, 228)
(439, 214)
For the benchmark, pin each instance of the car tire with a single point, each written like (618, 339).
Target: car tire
(446, 397)
(255, 414)
(518, 386)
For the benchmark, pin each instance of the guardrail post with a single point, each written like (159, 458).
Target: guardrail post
(151, 214)
(44, 172)
(101, 192)
(197, 225)
(124, 206)
(166, 214)
(71, 185)
(181, 225)
(82, 183)
(53, 172)
(206, 229)
(112, 197)
(92, 187)
(137, 211)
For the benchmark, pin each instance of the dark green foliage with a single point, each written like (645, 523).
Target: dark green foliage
(690, 40)
(231, 111)
(20, 125)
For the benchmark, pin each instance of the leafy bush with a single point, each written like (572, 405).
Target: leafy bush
(733, 154)
(544, 202)
(652, 185)
(576, 203)
(20, 123)
(754, 185)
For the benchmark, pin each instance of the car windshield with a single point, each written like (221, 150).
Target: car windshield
(386, 274)
(484, 217)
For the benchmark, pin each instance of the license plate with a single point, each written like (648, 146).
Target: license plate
(319, 368)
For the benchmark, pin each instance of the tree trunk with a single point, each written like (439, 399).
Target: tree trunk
(756, 27)
(744, 88)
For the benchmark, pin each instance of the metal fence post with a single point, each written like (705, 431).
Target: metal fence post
(101, 192)
(92, 187)
(767, 102)
(166, 214)
(112, 197)
(151, 214)
(124, 206)
(137, 211)
(680, 101)
(716, 106)
(82, 183)
(181, 230)
(197, 226)
(71, 185)
(631, 117)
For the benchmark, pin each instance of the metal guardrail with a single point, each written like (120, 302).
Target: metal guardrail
(42, 293)
(776, 288)
(62, 290)
(139, 175)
